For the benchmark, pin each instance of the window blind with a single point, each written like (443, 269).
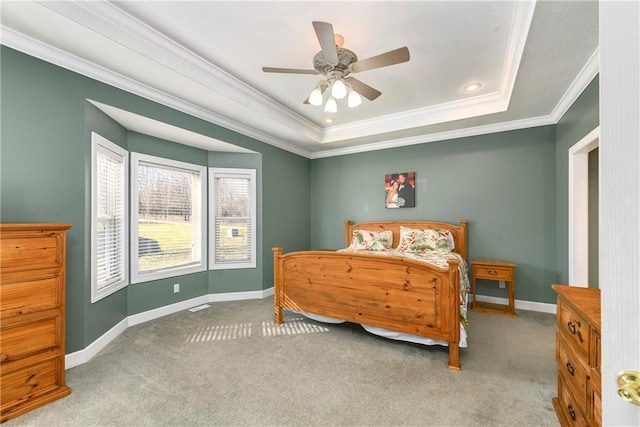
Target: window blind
(232, 218)
(110, 219)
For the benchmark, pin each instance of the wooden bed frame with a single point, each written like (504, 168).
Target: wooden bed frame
(394, 293)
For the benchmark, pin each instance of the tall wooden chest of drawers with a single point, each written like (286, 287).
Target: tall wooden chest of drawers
(578, 356)
(32, 312)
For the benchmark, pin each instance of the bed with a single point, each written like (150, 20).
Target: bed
(381, 281)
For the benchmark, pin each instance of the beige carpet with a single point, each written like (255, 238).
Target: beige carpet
(229, 365)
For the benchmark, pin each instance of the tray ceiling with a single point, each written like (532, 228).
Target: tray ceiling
(205, 58)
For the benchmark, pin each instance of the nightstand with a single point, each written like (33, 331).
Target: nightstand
(494, 270)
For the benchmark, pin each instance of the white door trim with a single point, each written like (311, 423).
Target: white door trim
(579, 208)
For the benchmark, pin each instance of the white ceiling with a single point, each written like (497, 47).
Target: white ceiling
(205, 58)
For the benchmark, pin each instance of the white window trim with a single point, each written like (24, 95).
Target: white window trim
(213, 173)
(136, 276)
(101, 144)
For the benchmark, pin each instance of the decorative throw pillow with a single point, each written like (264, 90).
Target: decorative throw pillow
(421, 241)
(371, 240)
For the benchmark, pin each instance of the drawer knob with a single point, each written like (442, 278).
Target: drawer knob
(492, 273)
(574, 330)
(570, 368)
(572, 412)
(572, 327)
(629, 386)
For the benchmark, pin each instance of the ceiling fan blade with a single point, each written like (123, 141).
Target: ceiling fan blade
(392, 57)
(363, 89)
(288, 70)
(327, 39)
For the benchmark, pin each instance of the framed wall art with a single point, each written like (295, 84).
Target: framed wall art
(400, 190)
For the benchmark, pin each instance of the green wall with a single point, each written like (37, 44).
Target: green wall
(46, 123)
(502, 183)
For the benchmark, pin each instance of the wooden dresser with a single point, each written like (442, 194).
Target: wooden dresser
(32, 312)
(578, 356)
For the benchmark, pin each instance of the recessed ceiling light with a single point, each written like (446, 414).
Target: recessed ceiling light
(472, 87)
(329, 120)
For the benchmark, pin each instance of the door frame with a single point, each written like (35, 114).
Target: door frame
(579, 208)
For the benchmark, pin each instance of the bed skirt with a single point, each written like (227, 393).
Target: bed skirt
(386, 333)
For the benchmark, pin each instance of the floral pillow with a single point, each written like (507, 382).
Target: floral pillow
(421, 241)
(371, 240)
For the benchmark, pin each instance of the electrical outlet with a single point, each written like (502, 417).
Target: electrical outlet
(502, 284)
(176, 288)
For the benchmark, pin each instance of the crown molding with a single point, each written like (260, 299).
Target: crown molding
(520, 25)
(582, 80)
(439, 136)
(579, 84)
(446, 112)
(108, 20)
(53, 55)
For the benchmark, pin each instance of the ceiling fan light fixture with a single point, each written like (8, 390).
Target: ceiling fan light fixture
(354, 99)
(331, 106)
(339, 89)
(316, 96)
(336, 63)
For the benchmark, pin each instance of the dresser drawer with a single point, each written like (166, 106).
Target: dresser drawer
(27, 383)
(29, 338)
(569, 405)
(574, 328)
(490, 272)
(572, 368)
(31, 250)
(24, 296)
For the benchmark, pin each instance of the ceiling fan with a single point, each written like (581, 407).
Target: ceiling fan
(337, 64)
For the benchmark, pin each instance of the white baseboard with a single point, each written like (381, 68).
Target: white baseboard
(520, 304)
(83, 356)
(239, 296)
(156, 313)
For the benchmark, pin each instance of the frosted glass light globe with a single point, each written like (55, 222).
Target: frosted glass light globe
(338, 90)
(331, 106)
(354, 99)
(316, 97)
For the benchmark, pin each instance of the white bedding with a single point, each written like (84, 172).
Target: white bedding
(393, 335)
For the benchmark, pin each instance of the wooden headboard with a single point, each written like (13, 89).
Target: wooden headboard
(459, 232)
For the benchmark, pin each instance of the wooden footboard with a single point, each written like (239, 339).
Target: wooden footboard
(394, 293)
